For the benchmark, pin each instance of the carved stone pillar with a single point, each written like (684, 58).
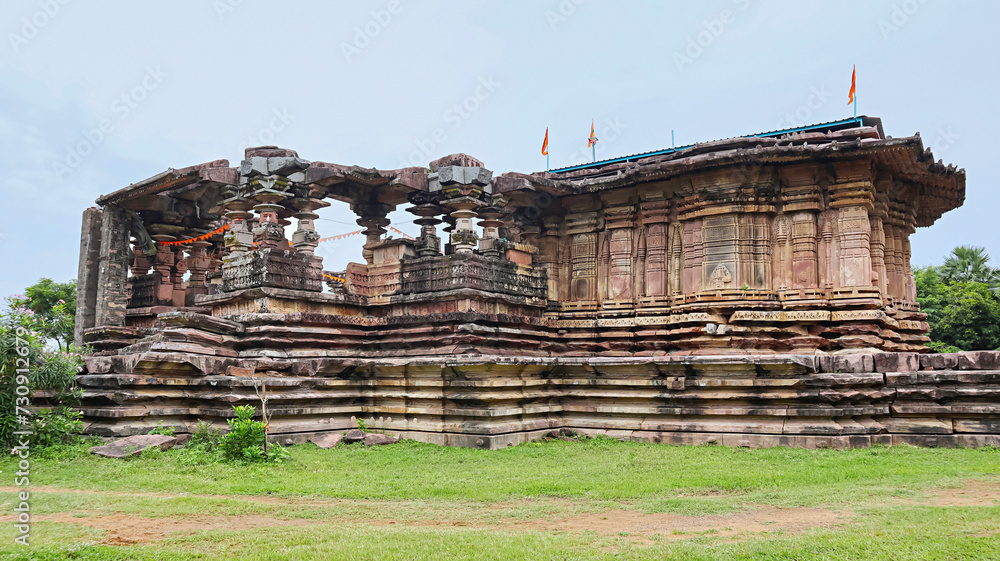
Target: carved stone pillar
(620, 231)
(804, 250)
(654, 218)
(238, 237)
(490, 224)
(878, 256)
(305, 239)
(199, 264)
(373, 219)
(179, 294)
(676, 270)
(582, 228)
(269, 176)
(163, 264)
(269, 233)
(911, 286)
(781, 257)
(461, 190)
(464, 237)
(427, 210)
(112, 277)
(826, 256)
(549, 255)
(693, 256)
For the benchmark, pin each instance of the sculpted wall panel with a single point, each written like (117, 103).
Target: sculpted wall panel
(719, 238)
(854, 236)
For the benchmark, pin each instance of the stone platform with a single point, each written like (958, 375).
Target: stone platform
(835, 401)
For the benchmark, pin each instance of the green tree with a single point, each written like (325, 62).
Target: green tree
(930, 292)
(969, 264)
(54, 306)
(971, 318)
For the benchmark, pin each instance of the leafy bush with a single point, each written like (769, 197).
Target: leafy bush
(22, 347)
(245, 439)
(939, 347)
(204, 437)
(160, 429)
(57, 426)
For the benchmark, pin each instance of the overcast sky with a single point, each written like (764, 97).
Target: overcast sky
(97, 95)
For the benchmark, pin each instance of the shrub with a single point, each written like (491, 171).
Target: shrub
(245, 439)
(160, 429)
(57, 426)
(204, 437)
(22, 347)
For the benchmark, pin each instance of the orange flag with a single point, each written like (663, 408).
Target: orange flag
(545, 143)
(850, 95)
(592, 141)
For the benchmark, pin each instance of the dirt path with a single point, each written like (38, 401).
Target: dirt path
(126, 529)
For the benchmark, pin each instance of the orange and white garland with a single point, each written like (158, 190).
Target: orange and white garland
(321, 240)
(199, 238)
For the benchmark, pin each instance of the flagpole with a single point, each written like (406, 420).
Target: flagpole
(547, 168)
(593, 151)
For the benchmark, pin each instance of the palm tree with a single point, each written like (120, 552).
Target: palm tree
(969, 264)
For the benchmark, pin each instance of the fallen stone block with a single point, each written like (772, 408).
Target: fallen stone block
(328, 440)
(354, 435)
(377, 439)
(133, 445)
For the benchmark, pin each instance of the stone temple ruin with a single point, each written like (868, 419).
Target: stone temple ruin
(751, 291)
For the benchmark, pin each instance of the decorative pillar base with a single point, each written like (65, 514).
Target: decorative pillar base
(273, 268)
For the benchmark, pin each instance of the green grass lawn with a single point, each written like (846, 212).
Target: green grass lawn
(593, 499)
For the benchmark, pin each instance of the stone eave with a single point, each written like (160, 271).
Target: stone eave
(216, 171)
(905, 159)
(353, 184)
